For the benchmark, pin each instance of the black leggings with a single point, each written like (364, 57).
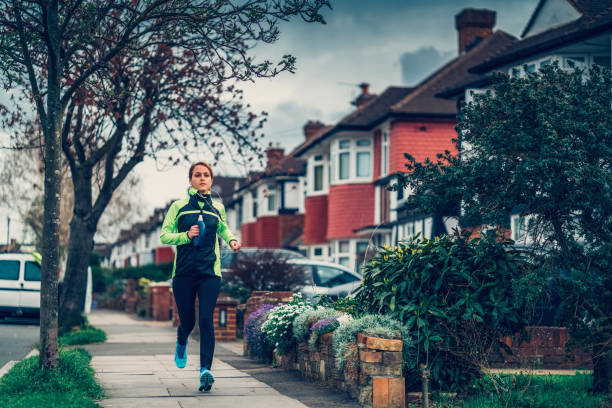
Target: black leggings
(207, 288)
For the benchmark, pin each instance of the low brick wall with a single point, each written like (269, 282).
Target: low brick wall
(160, 299)
(224, 331)
(372, 373)
(545, 349)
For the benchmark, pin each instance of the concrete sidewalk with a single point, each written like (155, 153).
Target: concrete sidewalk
(135, 366)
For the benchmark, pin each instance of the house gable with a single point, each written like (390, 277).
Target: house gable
(549, 14)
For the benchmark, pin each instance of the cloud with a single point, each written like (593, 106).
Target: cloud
(417, 65)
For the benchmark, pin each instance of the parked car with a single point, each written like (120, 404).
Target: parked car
(229, 257)
(19, 285)
(325, 278)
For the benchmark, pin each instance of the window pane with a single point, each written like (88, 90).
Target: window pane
(363, 142)
(32, 271)
(329, 277)
(530, 68)
(400, 193)
(344, 261)
(318, 158)
(318, 178)
(271, 202)
(318, 251)
(343, 246)
(344, 144)
(573, 62)
(545, 63)
(363, 164)
(603, 61)
(343, 166)
(9, 270)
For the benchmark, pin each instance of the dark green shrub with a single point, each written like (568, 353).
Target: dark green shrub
(266, 270)
(457, 298)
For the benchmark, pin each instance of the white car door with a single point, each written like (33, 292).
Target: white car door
(30, 290)
(10, 284)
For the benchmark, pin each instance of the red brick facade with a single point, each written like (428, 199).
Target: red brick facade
(266, 232)
(163, 255)
(421, 140)
(271, 231)
(315, 223)
(351, 206)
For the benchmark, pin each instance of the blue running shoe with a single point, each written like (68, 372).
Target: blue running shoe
(180, 354)
(206, 380)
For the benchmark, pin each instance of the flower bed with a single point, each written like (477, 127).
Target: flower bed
(362, 356)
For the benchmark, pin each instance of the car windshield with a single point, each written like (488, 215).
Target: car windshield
(328, 276)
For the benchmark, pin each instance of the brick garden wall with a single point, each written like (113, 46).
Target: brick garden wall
(372, 373)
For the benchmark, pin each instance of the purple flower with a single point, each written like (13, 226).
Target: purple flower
(255, 338)
(325, 325)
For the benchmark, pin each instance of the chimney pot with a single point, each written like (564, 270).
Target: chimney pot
(365, 95)
(275, 155)
(473, 25)
(311, 128)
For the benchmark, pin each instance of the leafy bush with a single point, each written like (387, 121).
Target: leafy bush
(457, 298)
(344, 304)
(72, 384)
(278, 328)
(303, 321)
(235, 291)
(374, 325)
(266, 270)
(255, 338)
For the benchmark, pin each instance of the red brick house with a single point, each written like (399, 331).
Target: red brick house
(572, 33)
(350, 165)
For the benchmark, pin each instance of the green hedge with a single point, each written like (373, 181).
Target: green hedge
(457, 298)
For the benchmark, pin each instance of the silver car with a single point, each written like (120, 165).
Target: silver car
(326, 278)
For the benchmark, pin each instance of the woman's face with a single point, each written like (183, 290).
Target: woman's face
(201, 179)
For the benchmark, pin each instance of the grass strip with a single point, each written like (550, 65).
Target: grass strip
(70, 385)
(531, 391)
(83, 335)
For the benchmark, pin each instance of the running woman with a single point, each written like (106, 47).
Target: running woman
(197, 265)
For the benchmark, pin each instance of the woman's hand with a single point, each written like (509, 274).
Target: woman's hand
(235, 245)
(194, 231)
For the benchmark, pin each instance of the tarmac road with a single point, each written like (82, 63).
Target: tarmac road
(17, 338)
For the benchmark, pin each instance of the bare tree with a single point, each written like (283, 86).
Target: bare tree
(55, 49)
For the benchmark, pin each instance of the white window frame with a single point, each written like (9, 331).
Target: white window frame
(317, 160)
(362, 150)
(384, 152)
(352, 149)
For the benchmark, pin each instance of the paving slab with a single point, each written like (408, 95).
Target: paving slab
(135, 366)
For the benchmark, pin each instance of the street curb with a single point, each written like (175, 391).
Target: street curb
(7, 367)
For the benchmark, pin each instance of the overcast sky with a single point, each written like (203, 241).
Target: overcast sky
(382, 42)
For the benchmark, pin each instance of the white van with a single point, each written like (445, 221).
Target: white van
(19, 285)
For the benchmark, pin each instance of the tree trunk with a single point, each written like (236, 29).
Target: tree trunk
(80, 245)
(602, 369)
(48, 359)
(50, 256)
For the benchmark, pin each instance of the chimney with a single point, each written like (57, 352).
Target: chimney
(275, 155)
(365, 95)
(473, 25)
(311, 128)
